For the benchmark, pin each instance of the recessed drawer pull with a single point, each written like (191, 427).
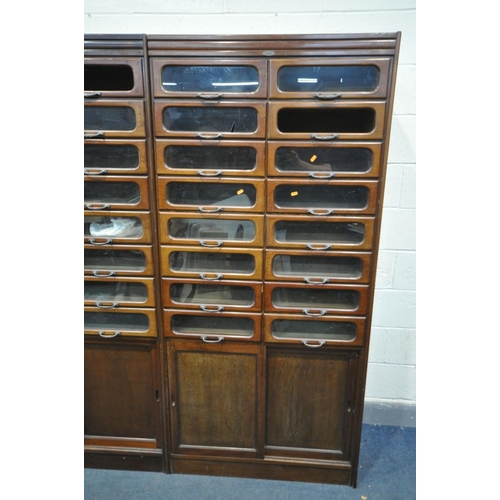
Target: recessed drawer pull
(215, 244)
(205, 173)
(321, 175)
(109, 335)
(316, 281)
(210, 210)
(312, 246)
(96, 135)
(113, 305)
(100, 274)
(100, 171)
(215, 309)
(204, 276)
(210, 137)
(94, 242)
(320, 212)
(212, 341)
(98, 206)
(319, 344)
(324, 137)
(327, 97)
(314, 312)
(209, 96)
(87, 95)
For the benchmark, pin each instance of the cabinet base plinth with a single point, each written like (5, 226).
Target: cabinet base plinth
(124, 461)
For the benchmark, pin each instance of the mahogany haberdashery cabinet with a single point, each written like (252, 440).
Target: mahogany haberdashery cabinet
(232, 211)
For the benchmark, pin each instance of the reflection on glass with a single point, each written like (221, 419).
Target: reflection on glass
(328, 78)
(218, 326)
(186, 293)
(134, 322)
(210, 157)
(211, 193)
(212, 229)
(293, 159)
(321, 196)
(310, 298)
(114, 260)
(112, 192)
(109, 118)
(110, 156)
(198, 119)
(313, 330)
(317, 266)
(218, 262)
(215, 79)
(337, 120)
(117, 77)
(117, 291)
(345, 233)
(112, 227)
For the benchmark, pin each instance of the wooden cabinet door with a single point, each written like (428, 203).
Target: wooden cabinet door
(215, 399)
(310, 398)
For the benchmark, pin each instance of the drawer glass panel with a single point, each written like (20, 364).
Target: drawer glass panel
(112, 227)
(210, 157)
(109, 118)
(109, 156)
(198, 119)
(211, 325)
(292, 159)
(311, 298)
(210, 79)
(114, 260)
(289, 231)
(135, 322)
(212, 229)
(211, 193)
(116, 291)
(361, 78)
(318, 266)
(108, 77)
(321, 196)
(355, 120)
(313, 330)
(112, 192)
(187, 293)
(219, 262)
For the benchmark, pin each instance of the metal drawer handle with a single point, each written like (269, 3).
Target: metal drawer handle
(311, 246)
(209, 137)
(100, 274)
(327, 97)
(207, 308)
(90, 171)
(324, 137)
(210, 210)
(205, 173)
(102, 306)
(214, 341)
(319, 344)
(316, 281)
(94, 242)
(311, 312)
(110, 335)
(320, 212)
(215, 244)
(87, 95)
(204, 276)
(98, 206)
(95, 135)
(321, 175)
(209, 96)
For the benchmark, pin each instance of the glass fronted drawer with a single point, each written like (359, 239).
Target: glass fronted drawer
(209, 80)
(102, 157)
(118, 260)
(210, 196)
(113, 118)
(111, 293)
(216, 296)
(213, 328)
(317, 268)
(315, 332)
(120, 323)
(328, 79)
(211, 230)
(322, 198)
(188, 157)
(113, 77)
(103, 193)
(317, 161)
(105, 228)
(210, 120)
(211, 265)
(326, 122)
(320, 232)
(315, 300)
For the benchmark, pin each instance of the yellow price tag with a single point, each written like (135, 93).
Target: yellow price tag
(240, 191)
(294, 193)
(313, 158)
